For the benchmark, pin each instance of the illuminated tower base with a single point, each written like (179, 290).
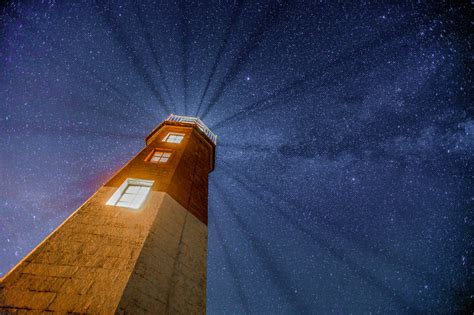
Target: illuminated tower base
(138, 245)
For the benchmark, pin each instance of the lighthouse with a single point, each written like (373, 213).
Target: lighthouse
(137, 245)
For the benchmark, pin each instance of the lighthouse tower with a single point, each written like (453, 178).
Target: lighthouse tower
(138, 245)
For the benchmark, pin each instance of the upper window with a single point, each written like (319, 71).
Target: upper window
(160, 157)
(174, 137)
(131, 194)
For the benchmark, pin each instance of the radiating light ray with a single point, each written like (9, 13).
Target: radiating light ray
(282, 282)
(248, 147)
(184, 53)
(271, 19)
(317, 78)
(121, 39)
(377, 95)
(229, 30)
(388, 257)
(231, 267)
(156, 57)
(322, 241)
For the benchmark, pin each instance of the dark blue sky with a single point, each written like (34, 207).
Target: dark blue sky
(344, 168)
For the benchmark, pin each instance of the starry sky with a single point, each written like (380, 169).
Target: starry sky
(344, 171)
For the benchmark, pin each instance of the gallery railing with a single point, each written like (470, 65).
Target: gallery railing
(194, 121)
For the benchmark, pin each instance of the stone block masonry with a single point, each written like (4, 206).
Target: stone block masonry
(117, 259)
(166, 263)
(102, 260)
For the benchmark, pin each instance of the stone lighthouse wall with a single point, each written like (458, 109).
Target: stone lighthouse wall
(170, 274)
(107, 259)
(85, 264)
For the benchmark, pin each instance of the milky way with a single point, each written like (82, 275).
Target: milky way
(343, 180)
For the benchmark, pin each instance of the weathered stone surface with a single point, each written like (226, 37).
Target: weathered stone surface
(105, 259)
(82, 267)
(80, 271)
(168, 273)
(27, 299)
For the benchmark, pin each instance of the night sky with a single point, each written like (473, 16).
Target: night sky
(344, 170)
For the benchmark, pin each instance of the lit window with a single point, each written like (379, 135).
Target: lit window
(160, 157)
(174, 137)
(131, 194)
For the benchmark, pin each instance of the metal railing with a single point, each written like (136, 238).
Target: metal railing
(194, 121)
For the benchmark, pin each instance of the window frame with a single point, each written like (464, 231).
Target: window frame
(172, 133)
(121, 191)
(150, 156)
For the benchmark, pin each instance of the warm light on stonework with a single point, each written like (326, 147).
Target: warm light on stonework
(127, 249)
